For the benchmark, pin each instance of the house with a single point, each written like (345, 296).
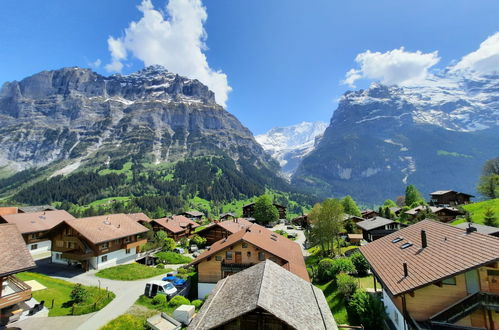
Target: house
(15, 258)
(97, 242)
(33, 227)
(242, 250)
(449, 198)
(37, 208)
(264, 296)
(354, 239)
(222, 229)
(228, 216)
(140, 218)
(248, 210)
(302, 221)
(8, 210)
(176, 227)
(482, 229)
(443, 214)
(368, 214)
(377, 227)
(395, 210)
(437, 276)
(193, 215)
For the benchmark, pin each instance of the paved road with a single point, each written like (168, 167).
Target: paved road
(300, 237)
(51, 323)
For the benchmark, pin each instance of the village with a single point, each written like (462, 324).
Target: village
(185, 270)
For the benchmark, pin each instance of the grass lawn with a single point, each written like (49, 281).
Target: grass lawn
(199, 228)
(130, 272)
(106, 201)
(126, 169)
(60, 290)
(477, 210)
(172, 258)
(134, 319)
(335, 301)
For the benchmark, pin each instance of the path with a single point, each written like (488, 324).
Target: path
(300, 237)
(51, 323)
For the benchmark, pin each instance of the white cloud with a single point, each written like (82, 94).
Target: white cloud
(485, 60)
(393, 67)
(95, 64)
(175, 40)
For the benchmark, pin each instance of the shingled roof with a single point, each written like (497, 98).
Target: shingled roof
(139, 217)
(14, 254)
(176, 224)
(268, 241)
(374, 223)
(450, 251)
(483, 229)
(36, 208)
(268, 286)
(37, 221)
(105, 228)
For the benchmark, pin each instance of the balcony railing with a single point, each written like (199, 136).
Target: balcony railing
(467, 306)
(14, 291)
(234, 267)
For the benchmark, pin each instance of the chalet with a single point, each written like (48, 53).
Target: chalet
(97, 242)
(221, 230)
(193, 215)
(482, 229)
(242, 250)
(228, 216)
(368, 214)
(248, 210)
(15, 258)
(302, 221)
(33, 227)
(355, 239)
(264, 296)
(437, 276)
(176, 227)
(443, 214)
(140, 218)
(395, 210)
(377, 227)
(449, 198)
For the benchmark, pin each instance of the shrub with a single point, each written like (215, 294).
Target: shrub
(346, 285)
(342, 265)
(360, 263)
(367, 310)
(184, 242)
(160, 266)
(198, 240)
(159, 299)
(172, 258)
(169, 244)
(325, 271)
(78, 294)
(178, 300)
(182, 270)
(197, 303)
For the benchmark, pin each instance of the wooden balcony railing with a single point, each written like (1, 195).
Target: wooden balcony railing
(133, 244)
(18, 291)
(467, 306)
(234, 267)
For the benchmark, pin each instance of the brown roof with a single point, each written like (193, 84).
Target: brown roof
(266, 240)
(8, 210)
(176, 224)
(106, 227)
(450, 251)
(194, 214)
(443, 192)
(37, 221)
(234, 225)
(14, 254)
(139, 217)
(432, 209)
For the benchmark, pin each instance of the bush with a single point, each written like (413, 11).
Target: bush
(198, 240)
(169, 244)
(178, 300)
(184, 242)
(172, 258)
(159, 299)
(367, 310)
(197, 303)
(160, 266)
(360, 263)
(346, 285)
(78, 294)
(325, 271)
(342, 265)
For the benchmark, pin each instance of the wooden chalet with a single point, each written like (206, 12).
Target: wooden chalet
(15, 258)
(377, 227)
(302, 221)
(220, 230)
(443, 214)
(228, 216)
(368, 214)
(97, 242)
(437, 276)
(176, 227)
(34, 226)
(264, 296)
(193, 215)
(449, 198)
(242, 250)
(248, 210)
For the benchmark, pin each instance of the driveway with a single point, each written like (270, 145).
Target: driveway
(300, 236)
(44, 266)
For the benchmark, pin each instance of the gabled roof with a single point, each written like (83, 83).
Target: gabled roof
(175, 224)
(106, 228)
(374, 223)
(228, 214)
(450, 251)
(194, 213)
(14, 254)
(266, 240)
(432, 209)
(235, 225)
(443, 192)
(139, 217)
(37, 221)
(268, 286)
(483, 229)
(37, 208)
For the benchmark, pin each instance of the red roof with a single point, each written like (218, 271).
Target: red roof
(176, 224)
(37, 221)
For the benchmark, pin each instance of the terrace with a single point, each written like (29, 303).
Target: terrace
(13, 291)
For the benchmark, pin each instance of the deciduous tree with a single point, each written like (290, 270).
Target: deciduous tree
(265, 211)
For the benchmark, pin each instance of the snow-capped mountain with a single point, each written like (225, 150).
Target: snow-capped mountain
(288, 145)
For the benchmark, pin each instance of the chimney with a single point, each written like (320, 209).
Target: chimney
(424, 242)
(470, 228)
(406, 270)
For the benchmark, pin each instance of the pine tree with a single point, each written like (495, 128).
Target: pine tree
(490, 218)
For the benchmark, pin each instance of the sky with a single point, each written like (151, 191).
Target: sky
(271, 63)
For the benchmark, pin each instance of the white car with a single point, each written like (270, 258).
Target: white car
(160, 287)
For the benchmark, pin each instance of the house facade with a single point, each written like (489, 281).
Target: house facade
(97, 242)
(34, 226)
(449, 198)
(437, 276)
(220, 230)
(377, 227)
(442, 213)
(176, 227)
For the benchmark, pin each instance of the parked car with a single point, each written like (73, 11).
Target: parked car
(160, 287)
(291, 235)
(196, 254)
(179, 250)
(290, 227)
(193, 248)
(177, 281)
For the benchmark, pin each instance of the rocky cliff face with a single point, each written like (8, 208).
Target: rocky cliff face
(383, 138)
(75, 116)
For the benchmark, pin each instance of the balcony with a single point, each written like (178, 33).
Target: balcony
(77, 255)
(133, 244)
(14, 291)
(234, 267)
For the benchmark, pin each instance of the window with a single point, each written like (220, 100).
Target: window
(261, 256)
(104, 246)
(449, 281)
(405, 245)
(34, 246)
(127, 251)
(228, 255)
(103, 258)
(491, 272)
(398, 239)
(57, 256)
(59, 244)
(218, 258)
(248, 254)
(126, 239)
(245, 245)
(70, 245)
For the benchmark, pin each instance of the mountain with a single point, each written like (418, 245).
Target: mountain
(437, 136)
(288, 145)
(150, 132)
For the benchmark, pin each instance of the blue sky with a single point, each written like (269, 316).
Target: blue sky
(284, 60)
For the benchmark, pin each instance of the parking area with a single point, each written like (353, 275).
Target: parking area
(46, 267)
